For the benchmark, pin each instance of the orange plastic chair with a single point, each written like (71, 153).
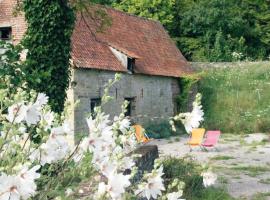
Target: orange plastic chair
(140, 135)
(196, 137)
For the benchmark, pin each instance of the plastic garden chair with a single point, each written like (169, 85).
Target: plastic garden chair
(196, 137)
(140, 134)
(211, 139)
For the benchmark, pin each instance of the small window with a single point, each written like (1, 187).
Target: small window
(5, 33)
(130, 107)
(131, 64)
(94, 103)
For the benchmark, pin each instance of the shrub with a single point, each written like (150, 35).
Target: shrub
(189, 172)
(162, 130)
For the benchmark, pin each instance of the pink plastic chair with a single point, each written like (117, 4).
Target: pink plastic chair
(211, 139)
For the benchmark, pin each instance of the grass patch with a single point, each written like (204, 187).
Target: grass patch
(265, 181)
(236, 99)
(261, 196)
(214, 194)
(252, 171)
(222, 158)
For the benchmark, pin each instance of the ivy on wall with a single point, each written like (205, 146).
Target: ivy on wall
(48, 40)
(186, 84)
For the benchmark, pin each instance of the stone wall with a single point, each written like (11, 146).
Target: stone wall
(153, 95)
(204, 65)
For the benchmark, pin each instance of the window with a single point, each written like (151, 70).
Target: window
(94, 103)
(5, 33)
(131, 64)
(130, 107)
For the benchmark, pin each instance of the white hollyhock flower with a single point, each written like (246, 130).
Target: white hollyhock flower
(191, 119)
(53, 150)
(209, 178)
(153, 186)
(32, 115)
(9, 188)
(127, 163)
(175, 195)
(48, 117)
(117, 184)
(123, 124)
(26, 181)
(42, 100)
(22, 129)
(102, 187)
(16, 113)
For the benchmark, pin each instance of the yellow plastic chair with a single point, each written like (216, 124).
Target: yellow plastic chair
(196, 137)
(140, 134)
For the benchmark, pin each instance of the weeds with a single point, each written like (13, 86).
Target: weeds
(236, 99)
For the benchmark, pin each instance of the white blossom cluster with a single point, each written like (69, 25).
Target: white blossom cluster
(109, 143)
(192, 119)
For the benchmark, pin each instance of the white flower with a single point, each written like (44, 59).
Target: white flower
(117, 184)
(48, 117)
(32, 114)
(53, 150)
(26, 181)
(123, 124)
(16, 113)
(42, 100)
(9, 188)
(22, 129)
(191, 119)
(209, 178)
(127, 163)
(153, 186)
(175, 195)
(102, 188)
(23, 54)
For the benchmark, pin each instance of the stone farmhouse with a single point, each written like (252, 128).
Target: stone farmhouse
(139, 48)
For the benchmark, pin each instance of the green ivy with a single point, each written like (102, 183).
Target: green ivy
(186, 84)
(48, 40)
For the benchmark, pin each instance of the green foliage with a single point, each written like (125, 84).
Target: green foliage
(186, 84)
(153, 9)
(236, 99)
(10, 66)
(188, 171)
(161, 130)
(48, 40)
(57, 178)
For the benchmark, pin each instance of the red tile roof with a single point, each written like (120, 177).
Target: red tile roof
(139, 38)
(143, 39)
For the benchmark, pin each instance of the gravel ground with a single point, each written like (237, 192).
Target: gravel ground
(241, 162)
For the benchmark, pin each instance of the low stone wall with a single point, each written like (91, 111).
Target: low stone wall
(204, 65)
(148, 154)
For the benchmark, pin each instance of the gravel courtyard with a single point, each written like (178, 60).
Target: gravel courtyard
(241, 162)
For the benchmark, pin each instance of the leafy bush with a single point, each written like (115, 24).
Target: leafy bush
(162, 130)
(236, 99)
(189, 172)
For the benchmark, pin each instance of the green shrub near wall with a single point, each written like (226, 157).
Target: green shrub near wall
(237, 99)
(186, 85)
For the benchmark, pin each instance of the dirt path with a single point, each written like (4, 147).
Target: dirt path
(241, 162)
